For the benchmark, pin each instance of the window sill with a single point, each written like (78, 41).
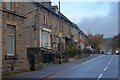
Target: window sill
(11, 56)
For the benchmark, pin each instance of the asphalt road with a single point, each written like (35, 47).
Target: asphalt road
(95, 66)
(104, 66)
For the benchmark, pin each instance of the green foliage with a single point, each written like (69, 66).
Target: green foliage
(71, 49)
(115, 43)
(71, 46)
(95, 40)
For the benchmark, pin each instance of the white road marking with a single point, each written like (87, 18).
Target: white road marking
(87, 61)
(110, 61)
(92, 59)
(76, 66)
(100, 76)
(105, 69)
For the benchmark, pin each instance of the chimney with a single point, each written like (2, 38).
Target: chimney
(54, 9)
(46, 3)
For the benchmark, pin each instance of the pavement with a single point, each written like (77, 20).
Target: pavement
(95, 67)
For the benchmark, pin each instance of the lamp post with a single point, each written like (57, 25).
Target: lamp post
(60, 36)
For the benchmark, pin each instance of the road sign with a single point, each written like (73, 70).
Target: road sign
(60, 34)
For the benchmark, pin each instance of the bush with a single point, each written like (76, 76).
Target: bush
(71, 49)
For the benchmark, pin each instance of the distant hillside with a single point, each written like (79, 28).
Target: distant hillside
(106, 45)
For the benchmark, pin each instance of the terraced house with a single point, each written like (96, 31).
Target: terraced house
(82, 39)
(45, 19)
(0, 39)
(32, 24)
(14, 38)
(45, 22)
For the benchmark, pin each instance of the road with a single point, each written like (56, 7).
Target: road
(95, 67)
(104, 66)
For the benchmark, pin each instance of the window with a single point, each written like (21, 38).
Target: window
(57, 41)
(45, 18)
(10, 40)
(9, 5)
(76, 32)
(45, 38)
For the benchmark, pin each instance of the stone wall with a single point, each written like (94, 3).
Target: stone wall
(18, 62)
(0, 41)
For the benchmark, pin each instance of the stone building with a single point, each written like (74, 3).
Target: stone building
(74, 34)
(0, 40)
(14, 38)
(82, 39)
(45, 18)
(32, 24)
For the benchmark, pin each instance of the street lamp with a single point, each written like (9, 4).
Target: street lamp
(60, 36)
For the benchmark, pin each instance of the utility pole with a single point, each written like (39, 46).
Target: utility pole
(60, 36)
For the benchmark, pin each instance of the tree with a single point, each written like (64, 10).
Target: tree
(115, 43)
(95, 40)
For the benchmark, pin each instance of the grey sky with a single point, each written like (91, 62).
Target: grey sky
(107, 25)
(93, 17)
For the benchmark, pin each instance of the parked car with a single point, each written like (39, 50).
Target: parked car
(108, 53)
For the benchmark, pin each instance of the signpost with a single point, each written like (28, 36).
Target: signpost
(60, 36)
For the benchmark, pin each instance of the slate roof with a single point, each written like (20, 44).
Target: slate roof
(50, 9)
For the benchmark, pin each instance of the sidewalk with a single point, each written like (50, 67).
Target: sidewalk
(51, 69)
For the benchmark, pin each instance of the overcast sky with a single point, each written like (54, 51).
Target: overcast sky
(92, 17)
